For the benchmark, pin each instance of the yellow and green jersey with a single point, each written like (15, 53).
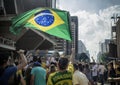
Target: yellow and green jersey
(60, 78)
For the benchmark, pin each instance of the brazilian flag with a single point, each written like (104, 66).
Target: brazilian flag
(52, 21)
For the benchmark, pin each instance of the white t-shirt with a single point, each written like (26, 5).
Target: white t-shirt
(101, 69)
(80, 78)
(95, 70)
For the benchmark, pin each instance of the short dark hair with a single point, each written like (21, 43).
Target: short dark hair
(4, 57)
(52, 67)
(37, 63)
(80, 66)
(63, 63)
(75, 65)
(35, 58)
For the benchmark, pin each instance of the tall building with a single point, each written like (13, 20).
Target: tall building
(66, 46)
(8, 7)
(115, 36)
(81, 47)
(60, 44)
(74, 35)
(104, 47)
(118, 38)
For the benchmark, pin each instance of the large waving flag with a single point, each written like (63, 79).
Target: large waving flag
(52, 21)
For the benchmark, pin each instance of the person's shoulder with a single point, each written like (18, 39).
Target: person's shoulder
(11, 68)
(69, 71)
(81, 73)
(53, 74)
(43, 69)
(77, 72)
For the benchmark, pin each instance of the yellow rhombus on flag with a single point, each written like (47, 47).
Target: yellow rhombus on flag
(52, 21)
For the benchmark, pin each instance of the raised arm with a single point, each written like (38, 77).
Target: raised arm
(23, 59)
(72, 56)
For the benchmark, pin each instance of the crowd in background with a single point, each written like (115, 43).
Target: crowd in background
(36, 70)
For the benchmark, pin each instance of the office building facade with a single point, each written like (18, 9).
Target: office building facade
(118, 38)
(66, 46)
(74, 35)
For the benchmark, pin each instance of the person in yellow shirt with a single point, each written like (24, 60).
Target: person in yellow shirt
(62, 76)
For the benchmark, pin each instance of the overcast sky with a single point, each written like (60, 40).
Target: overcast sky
(94, 19)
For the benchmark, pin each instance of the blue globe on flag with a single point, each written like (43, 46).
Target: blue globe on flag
(44, 18)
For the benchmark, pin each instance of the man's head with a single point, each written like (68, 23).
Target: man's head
(3, 58)
(37, 63)
(76, 67)
(52, 68)
(63, 63)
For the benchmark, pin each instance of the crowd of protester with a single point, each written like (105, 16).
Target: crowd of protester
(37, 70)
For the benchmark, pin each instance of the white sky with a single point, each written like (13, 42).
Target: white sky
(94, 20)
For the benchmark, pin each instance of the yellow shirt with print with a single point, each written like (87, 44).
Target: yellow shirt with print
(60, 78)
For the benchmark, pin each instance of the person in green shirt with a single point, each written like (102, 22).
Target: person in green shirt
(38, 75)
